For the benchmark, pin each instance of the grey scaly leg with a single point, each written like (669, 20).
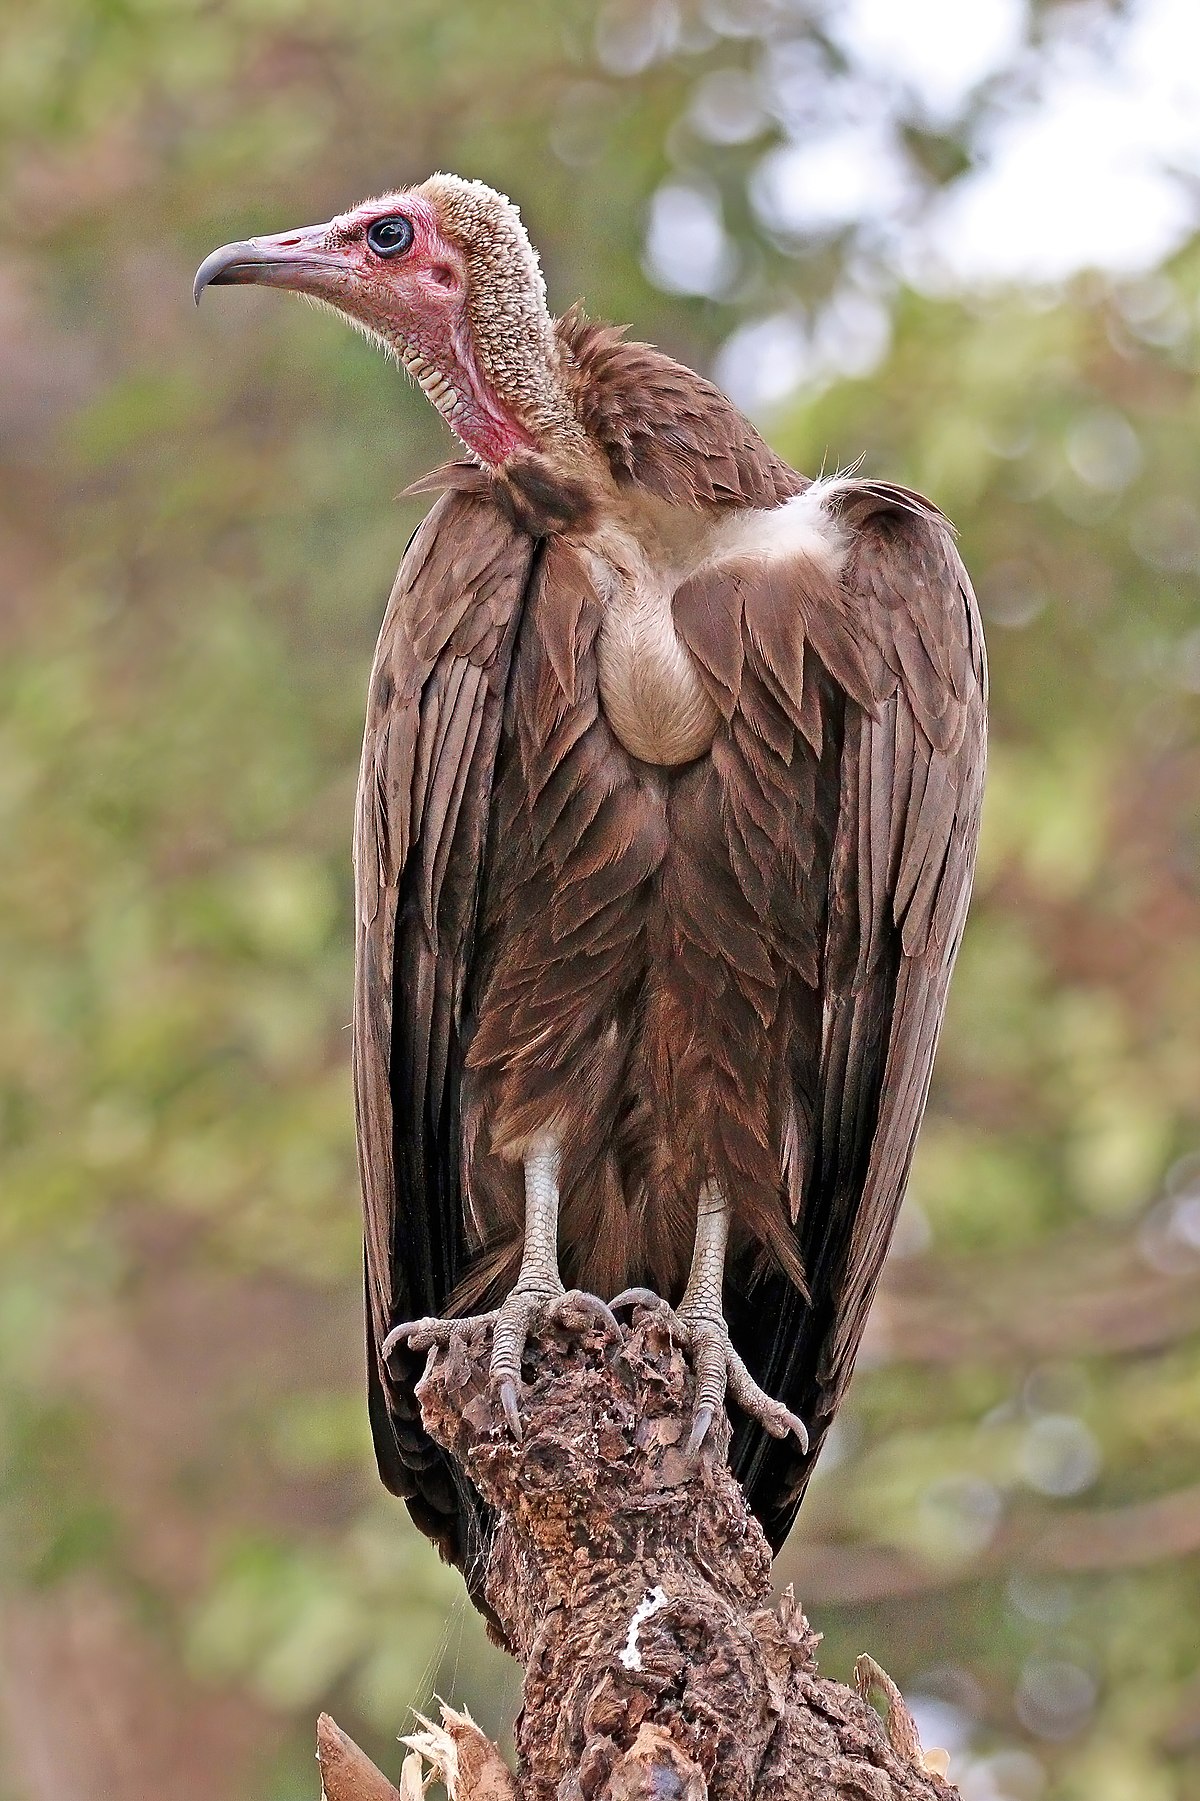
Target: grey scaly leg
(538, 1284)
(536, 1296)
(706, 1278)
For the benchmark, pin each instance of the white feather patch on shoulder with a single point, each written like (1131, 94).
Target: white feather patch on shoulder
(804, 526)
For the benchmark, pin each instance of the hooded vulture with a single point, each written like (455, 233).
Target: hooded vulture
(665, 828)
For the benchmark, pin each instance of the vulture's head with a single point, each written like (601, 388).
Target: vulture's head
(444, 276)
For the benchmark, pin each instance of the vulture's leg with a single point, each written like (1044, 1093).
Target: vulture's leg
(700, 1322)
(538, 1292)
(537, 1295)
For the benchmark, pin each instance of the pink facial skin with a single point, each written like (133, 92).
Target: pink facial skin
(415, 302)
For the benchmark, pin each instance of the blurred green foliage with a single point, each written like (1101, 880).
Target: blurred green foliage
(197, 534)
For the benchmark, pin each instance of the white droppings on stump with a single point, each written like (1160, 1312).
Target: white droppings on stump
(653, 1600)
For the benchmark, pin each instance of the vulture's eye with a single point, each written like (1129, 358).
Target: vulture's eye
(390, 237)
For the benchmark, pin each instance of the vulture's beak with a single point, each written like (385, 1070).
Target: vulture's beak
(301, 260)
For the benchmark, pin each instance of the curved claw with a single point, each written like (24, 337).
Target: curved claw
(637, 1297)
(512, 1411)
(578, 1301)
(397, 1335)
(702, 1421)
(788, 1424)
(421, 1334)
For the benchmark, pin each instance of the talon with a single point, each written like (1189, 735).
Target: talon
(702, 1421)
(792, 1425)
(580, 1302)
(512, 1411)
(719, 1372)
(512, 1325)
(418, 1334)
(783, 1424)
(637, 1297)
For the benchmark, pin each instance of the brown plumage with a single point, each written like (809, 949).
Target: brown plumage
(667, 814)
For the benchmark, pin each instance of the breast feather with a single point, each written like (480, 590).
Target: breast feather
(650, 687)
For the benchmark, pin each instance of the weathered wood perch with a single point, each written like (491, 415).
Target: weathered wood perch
(634, 1586)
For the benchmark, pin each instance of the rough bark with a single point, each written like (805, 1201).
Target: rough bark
(634, 1586)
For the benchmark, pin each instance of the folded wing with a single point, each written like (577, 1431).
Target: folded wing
(883, 677)
(434, 712)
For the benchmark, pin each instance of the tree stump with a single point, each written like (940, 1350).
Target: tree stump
(634, 1586)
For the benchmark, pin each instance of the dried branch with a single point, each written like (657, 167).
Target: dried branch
(461, 1757)
(347, 1774)
(901, 1727)
(634, 1585)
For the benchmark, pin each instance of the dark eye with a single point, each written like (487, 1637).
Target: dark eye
(390, 237)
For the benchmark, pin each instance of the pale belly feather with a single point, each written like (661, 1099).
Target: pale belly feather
(650, 688)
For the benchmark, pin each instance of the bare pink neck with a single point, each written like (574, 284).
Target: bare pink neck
(489, 432)
(481, 420)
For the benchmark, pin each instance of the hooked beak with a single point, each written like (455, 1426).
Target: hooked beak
(300, 260)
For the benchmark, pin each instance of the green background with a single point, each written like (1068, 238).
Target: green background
(197, 534)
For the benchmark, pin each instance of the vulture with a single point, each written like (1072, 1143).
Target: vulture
(664, 837)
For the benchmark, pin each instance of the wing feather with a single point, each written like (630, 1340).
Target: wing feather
(435, 707)
(900, 640)
(850, 764)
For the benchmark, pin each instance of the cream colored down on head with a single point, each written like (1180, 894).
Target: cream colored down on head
(511, 328)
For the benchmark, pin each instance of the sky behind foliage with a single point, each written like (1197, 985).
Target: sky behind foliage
(198, 528)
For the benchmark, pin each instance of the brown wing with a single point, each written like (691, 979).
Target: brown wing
(896, 742)
(433, 722)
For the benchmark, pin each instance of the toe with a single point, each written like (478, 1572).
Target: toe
(710, 1363)
(772, 1415)
(417, 1334)
(514, 1321)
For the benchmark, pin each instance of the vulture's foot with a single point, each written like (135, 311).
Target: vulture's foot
(513, 1323)
(519, 1316)
(718, 1371)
